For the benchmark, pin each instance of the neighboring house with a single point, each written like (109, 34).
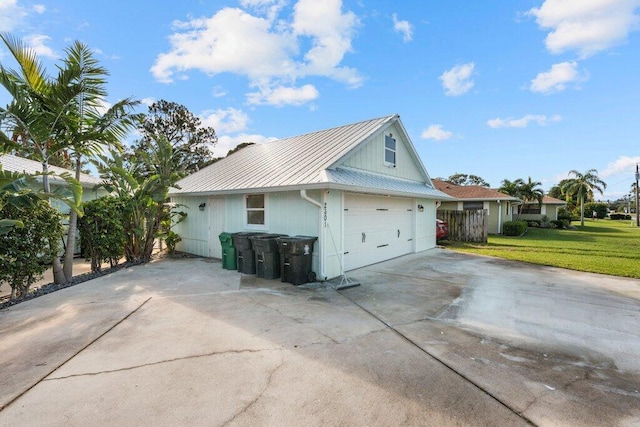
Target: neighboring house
(13, 163)
(548, 208)
(499, 206)
(361, 189)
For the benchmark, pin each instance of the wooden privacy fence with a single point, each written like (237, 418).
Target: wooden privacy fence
(466, 226)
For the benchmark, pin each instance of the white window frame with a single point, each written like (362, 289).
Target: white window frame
(246, 210)
(394, 151)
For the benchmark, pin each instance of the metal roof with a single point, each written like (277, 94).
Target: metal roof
(13, 163)
(306, 161)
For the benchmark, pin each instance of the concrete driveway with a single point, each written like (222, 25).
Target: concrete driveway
(430, 339)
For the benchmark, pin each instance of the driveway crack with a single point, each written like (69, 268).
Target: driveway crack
(255, 400)
(160, 362)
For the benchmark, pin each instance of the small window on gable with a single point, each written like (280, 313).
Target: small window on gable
(389, 151)
(255, 210)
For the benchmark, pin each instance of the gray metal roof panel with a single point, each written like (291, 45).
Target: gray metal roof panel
(14, 163)
(297, 160)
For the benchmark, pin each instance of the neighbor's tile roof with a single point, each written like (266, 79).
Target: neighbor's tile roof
(471, 192)
(297, 162)
(14, 163)
(547, 200)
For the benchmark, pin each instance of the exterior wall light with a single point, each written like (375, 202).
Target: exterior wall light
(202, 205)
(420, 208)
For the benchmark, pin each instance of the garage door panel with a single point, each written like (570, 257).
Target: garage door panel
(386, 224)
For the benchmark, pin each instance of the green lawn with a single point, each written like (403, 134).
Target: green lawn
(603, 246)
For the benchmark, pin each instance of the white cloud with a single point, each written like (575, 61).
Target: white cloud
(281, 95)
(39, 8)
(37, 43)
(11, 15)
(557, 78)
(523, 122)
(227, 42)
(623, 165)
(228, 142)
(147, 101)
(403, 27)
(229, 120)
(218, 92)
(457, 80)
(586, 26)
(436, 132)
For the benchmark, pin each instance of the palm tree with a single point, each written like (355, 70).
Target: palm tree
(583, 185)
(49, 116)
(530, 192)
(511, 188)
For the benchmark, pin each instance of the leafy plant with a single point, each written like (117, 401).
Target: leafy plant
(514, 228)
(27, 251)
(101, 231)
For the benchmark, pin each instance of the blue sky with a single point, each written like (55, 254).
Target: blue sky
(503, 90)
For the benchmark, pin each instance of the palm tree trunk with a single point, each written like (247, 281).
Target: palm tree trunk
(582, 211)
(58, 273)
(71, 235)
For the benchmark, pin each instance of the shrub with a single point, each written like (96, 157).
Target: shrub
(564, 214)
(514, 228)
(619, 216)
(101, 231)
(27, 252)
(534, 223)
(560, 223)
(601, 209)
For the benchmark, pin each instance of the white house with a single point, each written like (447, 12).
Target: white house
(361, 189)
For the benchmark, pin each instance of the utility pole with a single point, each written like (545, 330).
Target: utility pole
(637, 213)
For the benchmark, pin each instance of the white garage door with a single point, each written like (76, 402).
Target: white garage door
(376, 229)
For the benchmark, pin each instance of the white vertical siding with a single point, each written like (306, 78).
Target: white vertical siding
(194, 230)
(371, 158)
(425, 237)
(333, 233)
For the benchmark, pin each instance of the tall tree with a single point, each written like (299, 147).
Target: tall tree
(467, 179)
(144, 189)
(50, 117)
(191, 142)
(583, 185)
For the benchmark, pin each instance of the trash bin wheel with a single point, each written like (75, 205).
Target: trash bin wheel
(311, 277)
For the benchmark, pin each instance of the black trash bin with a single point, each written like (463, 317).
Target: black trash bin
(296, 256)
(229, 260)
(244, 253)
(267, 257)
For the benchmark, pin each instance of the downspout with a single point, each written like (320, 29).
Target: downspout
(321, 239)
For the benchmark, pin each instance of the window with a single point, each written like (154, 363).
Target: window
(254, 206)
(472, 206)
(389, 151)
(530, 209)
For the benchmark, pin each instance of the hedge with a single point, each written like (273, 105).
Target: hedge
(514, 228)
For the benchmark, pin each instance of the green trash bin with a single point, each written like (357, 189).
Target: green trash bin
(228, 251)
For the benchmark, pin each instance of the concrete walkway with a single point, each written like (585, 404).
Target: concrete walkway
(178, 342)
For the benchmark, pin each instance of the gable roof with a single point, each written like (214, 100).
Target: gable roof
(13, 163)
(471, 192)
(307, 161)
